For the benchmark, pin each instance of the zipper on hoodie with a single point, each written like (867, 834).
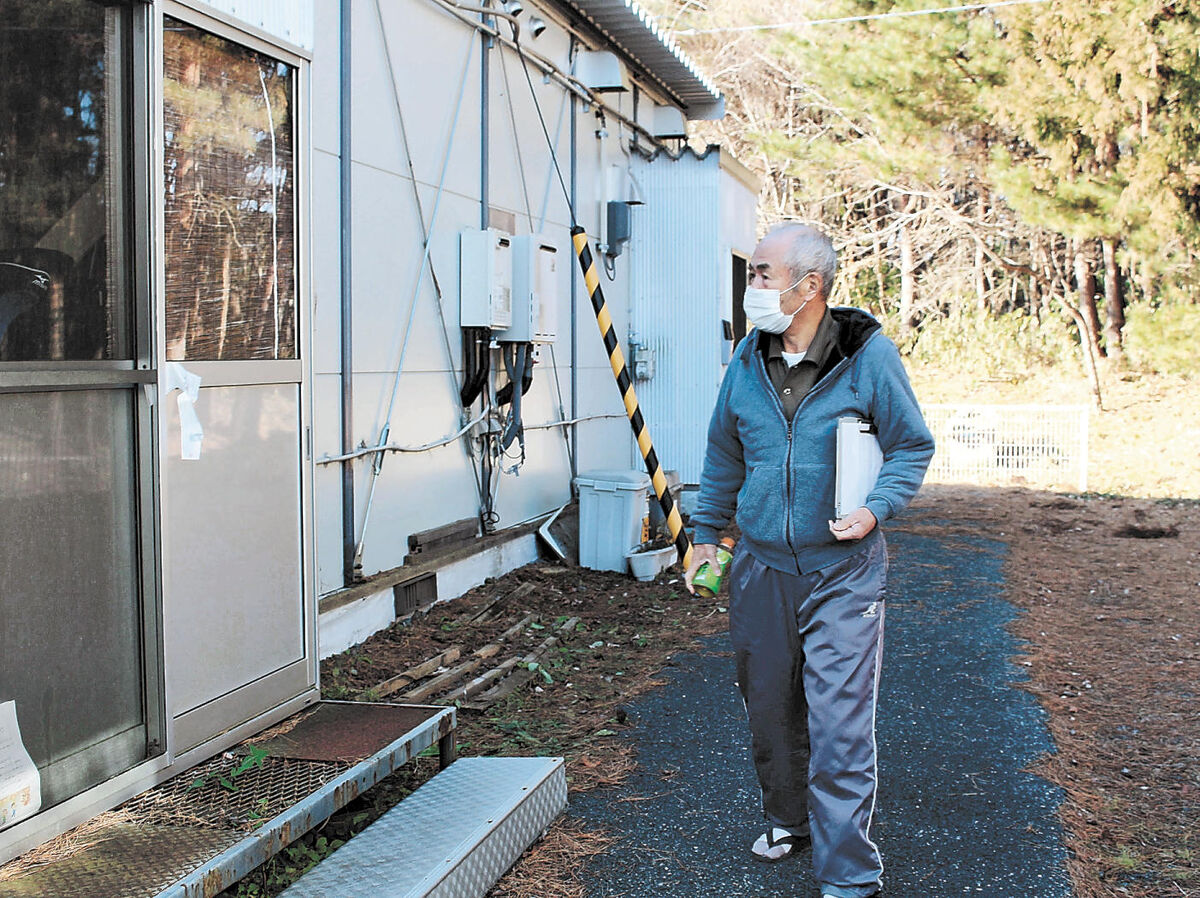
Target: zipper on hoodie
(819, 385)
(787, 467)
(787, 494)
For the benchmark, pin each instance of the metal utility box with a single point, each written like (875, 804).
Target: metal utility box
(485, 279)
(535, 290)
(613, 517)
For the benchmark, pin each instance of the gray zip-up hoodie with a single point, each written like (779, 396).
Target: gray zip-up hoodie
(778, 475)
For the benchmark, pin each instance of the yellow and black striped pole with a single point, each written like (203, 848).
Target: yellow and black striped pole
(625, 384)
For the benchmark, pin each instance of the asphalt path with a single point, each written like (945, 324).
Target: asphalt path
(957, 812)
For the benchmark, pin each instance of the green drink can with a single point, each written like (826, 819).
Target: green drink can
(707, 582)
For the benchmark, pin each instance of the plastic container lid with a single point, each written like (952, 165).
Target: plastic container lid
(614, 480)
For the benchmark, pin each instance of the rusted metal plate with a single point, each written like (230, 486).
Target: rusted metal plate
(344, 732)
(132, 860)
(206, 828)
(213, 795)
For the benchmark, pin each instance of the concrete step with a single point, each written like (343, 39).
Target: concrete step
(452, 838)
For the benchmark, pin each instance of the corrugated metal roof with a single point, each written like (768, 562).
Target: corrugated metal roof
(635, 33)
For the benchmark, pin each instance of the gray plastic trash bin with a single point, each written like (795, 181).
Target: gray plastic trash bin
(612, 517)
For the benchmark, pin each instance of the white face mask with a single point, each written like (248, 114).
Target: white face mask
(764, 309)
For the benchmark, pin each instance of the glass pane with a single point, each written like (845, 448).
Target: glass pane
(62, 283)
(230, 234)
(70, 639)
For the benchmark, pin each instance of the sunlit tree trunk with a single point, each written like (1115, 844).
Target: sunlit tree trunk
(1114, 302)
(1085, 288)
(908, 288)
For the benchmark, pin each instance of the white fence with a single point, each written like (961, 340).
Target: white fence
(998, 445)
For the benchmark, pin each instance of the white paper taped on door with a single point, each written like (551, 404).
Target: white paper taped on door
(20, 782)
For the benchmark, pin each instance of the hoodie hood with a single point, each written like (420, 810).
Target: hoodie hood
(854, 328)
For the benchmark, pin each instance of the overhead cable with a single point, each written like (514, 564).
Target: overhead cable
(844, 20)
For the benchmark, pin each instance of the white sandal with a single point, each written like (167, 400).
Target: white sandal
(776, 845)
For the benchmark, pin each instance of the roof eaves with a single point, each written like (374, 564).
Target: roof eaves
(635, 32)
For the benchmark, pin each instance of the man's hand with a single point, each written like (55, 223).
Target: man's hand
(700, 554)
(855, 525)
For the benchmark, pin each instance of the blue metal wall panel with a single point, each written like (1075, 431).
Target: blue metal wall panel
(680, 250)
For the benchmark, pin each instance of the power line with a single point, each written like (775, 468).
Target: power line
(902, 14)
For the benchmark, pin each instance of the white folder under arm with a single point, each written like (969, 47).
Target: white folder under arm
(859, 459)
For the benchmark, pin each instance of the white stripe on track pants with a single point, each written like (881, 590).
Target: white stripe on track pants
(808, 649)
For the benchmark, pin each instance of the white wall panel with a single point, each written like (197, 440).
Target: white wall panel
(429, 48)
(602, 444)
(326, 264)
(415, 491)
(327, 481)
(739, 213)
(387, 264)
(287, 20)
(325, 83)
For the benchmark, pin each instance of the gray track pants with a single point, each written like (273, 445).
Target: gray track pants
(808, 649)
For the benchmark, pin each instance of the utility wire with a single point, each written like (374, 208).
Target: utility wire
(546, 131)
(895, 14)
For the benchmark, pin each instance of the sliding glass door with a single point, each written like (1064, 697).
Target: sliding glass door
(77, 620)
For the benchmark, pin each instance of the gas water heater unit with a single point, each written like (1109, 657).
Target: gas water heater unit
(485, 279)
(535, 291)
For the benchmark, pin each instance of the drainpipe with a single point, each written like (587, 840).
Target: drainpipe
(347, 354)
(574, 289)
(484, 115)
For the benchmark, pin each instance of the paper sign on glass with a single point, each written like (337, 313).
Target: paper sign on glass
(859, 459)
(20, 782)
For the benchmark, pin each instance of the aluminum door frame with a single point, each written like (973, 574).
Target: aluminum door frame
(139, 375)
(260, 711)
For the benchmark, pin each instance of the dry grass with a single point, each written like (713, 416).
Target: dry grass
(69, 844)
(609, 766)
(553, 867)
(1142, 444)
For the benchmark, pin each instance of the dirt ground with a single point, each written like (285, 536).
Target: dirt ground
(1107, 583)
(1108, 588)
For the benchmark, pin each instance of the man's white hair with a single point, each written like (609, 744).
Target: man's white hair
(808, 250)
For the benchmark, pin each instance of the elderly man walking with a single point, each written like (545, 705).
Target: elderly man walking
(807, 592)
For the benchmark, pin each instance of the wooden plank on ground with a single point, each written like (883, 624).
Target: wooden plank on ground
(418, 671)
(525, 670)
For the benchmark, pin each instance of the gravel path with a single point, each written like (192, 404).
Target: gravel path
(956, 816)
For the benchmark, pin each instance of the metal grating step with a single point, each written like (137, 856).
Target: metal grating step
(190, 837)
(452, 838)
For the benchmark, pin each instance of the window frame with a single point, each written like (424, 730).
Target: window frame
(230, 372)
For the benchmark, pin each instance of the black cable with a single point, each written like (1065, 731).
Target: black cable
(477, 358)
(505, 394)
(514, 429)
